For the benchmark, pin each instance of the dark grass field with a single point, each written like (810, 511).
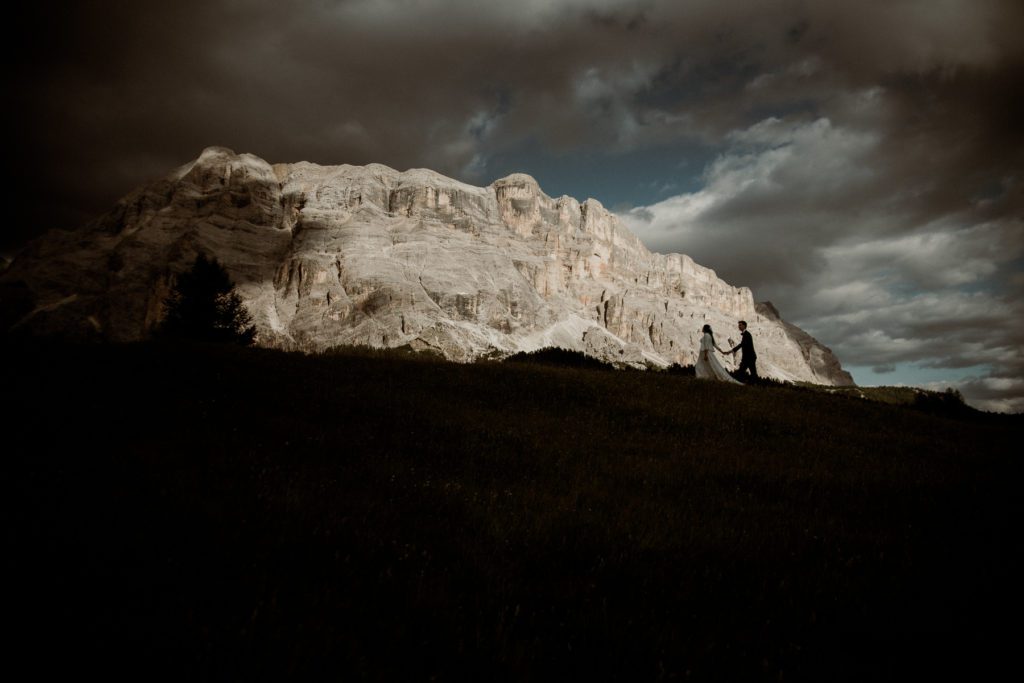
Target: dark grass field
(235, 514)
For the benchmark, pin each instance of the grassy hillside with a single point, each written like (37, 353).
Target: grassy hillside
(227, 512)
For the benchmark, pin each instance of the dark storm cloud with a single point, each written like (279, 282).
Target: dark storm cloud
(120, 91)
(862, 162)
(111, 94)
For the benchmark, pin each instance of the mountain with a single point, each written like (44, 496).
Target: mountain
(335, 255)
(821, 359)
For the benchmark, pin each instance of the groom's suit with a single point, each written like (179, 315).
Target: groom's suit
(749, 359)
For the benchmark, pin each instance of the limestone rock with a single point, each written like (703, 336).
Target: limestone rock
(334, 255)
(819, 357)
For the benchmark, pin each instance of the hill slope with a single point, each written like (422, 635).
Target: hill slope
(225, 512)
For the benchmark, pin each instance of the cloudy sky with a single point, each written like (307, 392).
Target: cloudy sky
(860, 164)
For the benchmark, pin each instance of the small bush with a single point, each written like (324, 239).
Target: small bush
(948, 402)
(559, 357)
(403, 352)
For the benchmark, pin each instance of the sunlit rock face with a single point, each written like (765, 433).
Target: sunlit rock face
(334, 255)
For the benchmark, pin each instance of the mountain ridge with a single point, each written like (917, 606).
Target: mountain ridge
(334, 255)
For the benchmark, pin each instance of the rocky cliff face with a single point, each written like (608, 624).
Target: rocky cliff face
(818, 356)
(327, 256)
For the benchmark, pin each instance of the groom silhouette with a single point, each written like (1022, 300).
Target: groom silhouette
(749, 359)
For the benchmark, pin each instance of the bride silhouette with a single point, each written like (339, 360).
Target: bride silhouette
(707, 366)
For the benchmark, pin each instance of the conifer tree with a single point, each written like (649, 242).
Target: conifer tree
(203, 306)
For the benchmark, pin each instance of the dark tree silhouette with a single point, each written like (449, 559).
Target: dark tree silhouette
(203, 306)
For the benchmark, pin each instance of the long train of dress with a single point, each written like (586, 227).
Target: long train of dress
(707, 366)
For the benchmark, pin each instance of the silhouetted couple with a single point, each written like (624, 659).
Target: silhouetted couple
(708, 367)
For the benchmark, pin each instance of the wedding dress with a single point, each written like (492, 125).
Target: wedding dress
(707, 366)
